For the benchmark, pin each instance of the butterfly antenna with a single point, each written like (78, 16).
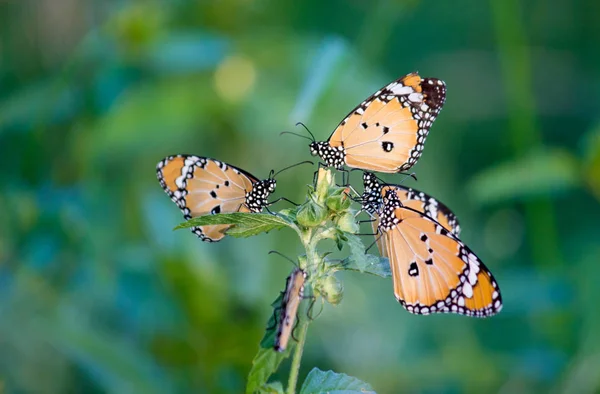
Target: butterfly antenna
(284, 256)
(292, 166)
(412, 175)
(306, 128)
(296, 134)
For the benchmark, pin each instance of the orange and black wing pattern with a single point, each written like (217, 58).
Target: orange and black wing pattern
(409, 197)
(200, 186)
(387, 131)
(433, 271)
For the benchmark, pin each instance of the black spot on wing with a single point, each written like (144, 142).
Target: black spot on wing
(413, 269)
(387, 146)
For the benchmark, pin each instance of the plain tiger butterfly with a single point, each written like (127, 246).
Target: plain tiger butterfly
(433, 271)
(372, 201)
(294, 294)
(200, 186)
(387, 131)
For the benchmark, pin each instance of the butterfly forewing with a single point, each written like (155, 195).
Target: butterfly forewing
(294, 293)
(387, 131)
(200, 186)
(433, 271)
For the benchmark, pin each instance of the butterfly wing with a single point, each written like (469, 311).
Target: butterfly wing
(429, 206)
(294, 293)
(387, 131)
(424, 204)
(199, 186)
(433, 271)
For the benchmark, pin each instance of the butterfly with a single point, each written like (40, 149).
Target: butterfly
(294, 294)
(199, 186)
(433, 271)
(372, 201)
(387, 131)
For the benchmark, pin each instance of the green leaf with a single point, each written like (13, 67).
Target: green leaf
(538, 173)
(267, 360)
(375, 265)
(243, 224)
(330, 382)
(363, 262)
(272, 388)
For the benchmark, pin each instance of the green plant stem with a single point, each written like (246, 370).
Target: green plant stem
(309, 239)
(295, 368)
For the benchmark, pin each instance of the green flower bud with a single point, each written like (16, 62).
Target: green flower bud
(347, 223)
(331, 289)
(338, 200)
(311, 214)
(324, 182)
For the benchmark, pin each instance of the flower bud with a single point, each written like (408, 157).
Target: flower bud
(311, 214)
(324, 182)
(338, 200)
(332, 290)
(347, 223)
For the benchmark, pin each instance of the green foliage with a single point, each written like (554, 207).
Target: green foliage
(324, 215)
(243, 225)
(320, 382)
(540, 173)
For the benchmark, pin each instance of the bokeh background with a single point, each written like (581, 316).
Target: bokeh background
(99, 295)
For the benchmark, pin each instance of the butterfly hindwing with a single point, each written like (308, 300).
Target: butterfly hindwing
(433, 271)
(199, 186)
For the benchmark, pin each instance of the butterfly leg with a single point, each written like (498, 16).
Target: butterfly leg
(310, 308)
(374, 242)
(294, 329)
(282, 199)
(274, 317)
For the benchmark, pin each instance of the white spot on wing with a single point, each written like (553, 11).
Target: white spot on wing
(468, 290)
(400, 89)
(415, 97)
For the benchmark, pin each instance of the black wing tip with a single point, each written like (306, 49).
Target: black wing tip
(434, 91)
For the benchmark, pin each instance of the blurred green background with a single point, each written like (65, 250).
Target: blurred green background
(99, 295)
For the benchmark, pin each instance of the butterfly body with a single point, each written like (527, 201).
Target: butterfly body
(200, 186)
(387, 131)
(294, 294)
(372, 202)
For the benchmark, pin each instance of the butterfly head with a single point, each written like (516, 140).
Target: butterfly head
(331, 155)
(315, 148)
(270, 185)
(390, 197)
(256, 199)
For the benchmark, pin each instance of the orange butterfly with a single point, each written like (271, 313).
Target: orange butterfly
(386, 132)
(372, 201)
(433, 271)
(294, 294)
(199, 185)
